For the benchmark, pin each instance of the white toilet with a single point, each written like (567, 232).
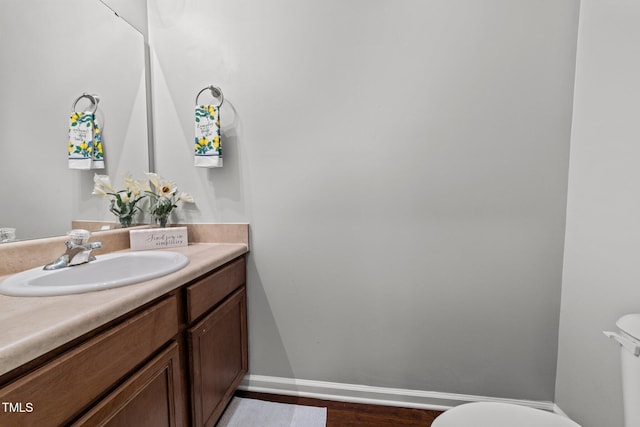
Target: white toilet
(492, 414)
(629, 340)
(489, 414)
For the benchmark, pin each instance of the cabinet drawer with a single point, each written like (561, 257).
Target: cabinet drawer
(66, 385)
(211, 290)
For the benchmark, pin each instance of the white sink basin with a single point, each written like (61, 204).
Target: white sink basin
(106, 272)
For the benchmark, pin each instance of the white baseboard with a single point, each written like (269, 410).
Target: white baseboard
(373, 395)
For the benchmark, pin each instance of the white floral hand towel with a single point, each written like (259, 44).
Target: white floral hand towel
(208, 147)
(85, 142)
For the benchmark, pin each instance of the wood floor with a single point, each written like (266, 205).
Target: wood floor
(342, 414)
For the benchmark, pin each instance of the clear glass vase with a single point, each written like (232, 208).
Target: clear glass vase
(161, 220)
(125, 221)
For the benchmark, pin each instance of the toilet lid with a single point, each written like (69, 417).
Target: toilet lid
(491, 414)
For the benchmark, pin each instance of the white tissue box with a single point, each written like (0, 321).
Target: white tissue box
(158, 238)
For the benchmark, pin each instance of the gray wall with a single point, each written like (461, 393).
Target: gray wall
(403, 166)
(601, 268)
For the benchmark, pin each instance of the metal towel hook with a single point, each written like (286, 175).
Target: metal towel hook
(93, 98)
(215, 91)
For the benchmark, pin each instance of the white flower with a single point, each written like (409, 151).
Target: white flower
(140, 186)
(154, 179)
(129, 182)
(135, 187)
(185, 197)
(167, 189)
(162, 187)
(102, 185)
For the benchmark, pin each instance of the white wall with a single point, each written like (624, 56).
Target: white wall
(403, 166)
(601, 268)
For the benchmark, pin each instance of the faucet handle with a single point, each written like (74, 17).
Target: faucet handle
(79, 236)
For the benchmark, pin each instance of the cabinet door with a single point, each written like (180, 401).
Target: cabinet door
(152, 397)
(218, 358)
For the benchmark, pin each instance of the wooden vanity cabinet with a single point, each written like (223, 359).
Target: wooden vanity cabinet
(217, 341)
(174, 363)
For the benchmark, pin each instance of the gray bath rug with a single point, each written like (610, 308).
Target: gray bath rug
(243, 412)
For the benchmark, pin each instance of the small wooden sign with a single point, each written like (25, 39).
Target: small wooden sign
(158, 238)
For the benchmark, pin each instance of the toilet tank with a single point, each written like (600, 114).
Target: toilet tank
(629, 340)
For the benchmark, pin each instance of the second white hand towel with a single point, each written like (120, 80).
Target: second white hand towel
(208, 147)
(85, 142)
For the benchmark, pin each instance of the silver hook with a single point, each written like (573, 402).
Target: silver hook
(93, 98)
(215, 91)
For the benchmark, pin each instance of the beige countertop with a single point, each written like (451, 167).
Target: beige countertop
(32, 326)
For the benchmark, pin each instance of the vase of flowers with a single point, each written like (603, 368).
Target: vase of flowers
(123, 202)
(163, 198)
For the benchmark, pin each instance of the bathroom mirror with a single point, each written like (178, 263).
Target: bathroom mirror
(51, 52)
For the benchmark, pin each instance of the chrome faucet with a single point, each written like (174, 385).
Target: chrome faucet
(78, 250)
